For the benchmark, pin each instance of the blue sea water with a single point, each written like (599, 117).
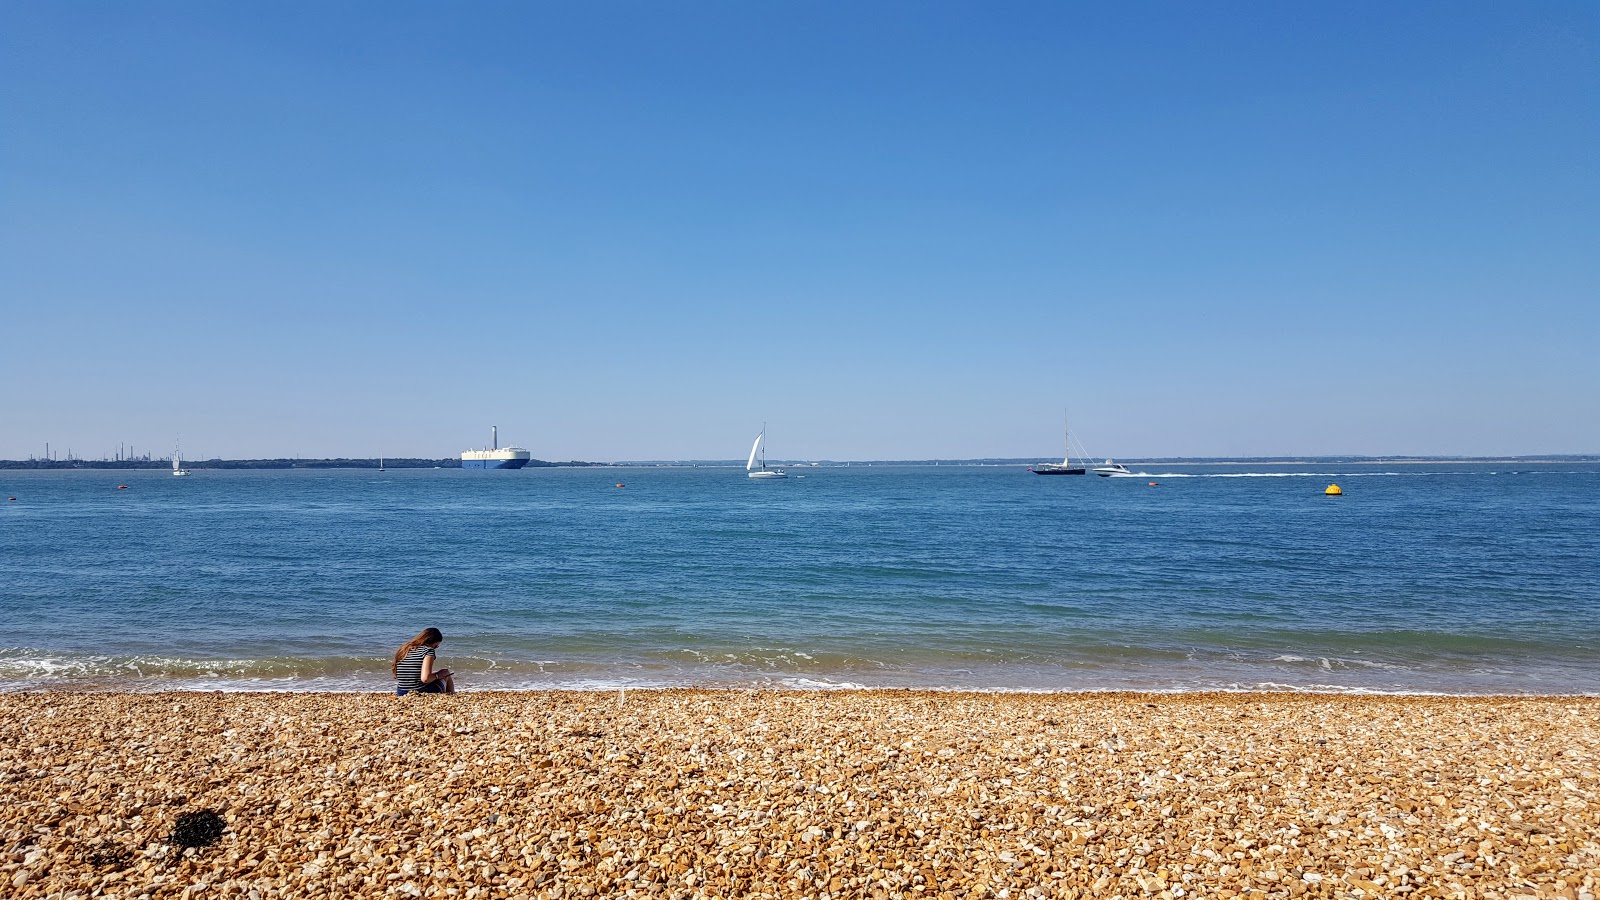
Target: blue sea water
(1431, 577)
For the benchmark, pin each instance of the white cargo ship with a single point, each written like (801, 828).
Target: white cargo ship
(495, 457)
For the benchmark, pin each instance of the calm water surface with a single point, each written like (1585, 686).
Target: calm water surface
(1460, 578)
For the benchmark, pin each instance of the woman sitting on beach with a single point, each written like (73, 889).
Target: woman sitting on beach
(413, 667)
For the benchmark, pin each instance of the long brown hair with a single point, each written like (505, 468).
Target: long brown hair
(429, 636)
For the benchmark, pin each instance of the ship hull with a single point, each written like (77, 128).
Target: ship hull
(493, 463)
(1057, 470)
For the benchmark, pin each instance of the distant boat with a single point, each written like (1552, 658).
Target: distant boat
(758, 457)
(380, 464)
(1110, 469)
(1066, 467)
(177, 468)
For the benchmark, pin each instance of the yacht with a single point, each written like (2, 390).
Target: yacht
(1066, 467)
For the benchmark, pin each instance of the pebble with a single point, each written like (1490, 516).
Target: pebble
(890, 794)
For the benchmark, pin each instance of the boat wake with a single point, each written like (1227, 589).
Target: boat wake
(1142, 474)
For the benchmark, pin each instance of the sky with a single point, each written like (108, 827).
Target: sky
(887, 230)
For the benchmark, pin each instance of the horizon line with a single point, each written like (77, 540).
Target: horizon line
(797, 461)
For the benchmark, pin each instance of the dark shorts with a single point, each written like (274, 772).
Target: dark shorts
(432, 687)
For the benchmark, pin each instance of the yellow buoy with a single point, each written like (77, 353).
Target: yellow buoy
(1333, 491)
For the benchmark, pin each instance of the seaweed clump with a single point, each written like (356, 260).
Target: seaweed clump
(197, 829)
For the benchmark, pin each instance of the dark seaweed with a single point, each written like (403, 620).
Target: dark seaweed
(197, 829)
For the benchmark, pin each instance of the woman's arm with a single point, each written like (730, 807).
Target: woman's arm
(429, 674)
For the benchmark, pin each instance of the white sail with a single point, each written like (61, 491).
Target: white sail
(753, 448)
(175, 465)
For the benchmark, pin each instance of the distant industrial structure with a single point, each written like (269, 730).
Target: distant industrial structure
(123, 453)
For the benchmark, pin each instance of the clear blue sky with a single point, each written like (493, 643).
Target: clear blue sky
(639, 230)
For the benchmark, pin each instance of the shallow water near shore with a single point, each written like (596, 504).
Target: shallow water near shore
(1422, 578)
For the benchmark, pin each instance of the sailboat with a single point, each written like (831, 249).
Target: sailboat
(1066, 467)
(758, 457)
(177, 468)
(380, 464)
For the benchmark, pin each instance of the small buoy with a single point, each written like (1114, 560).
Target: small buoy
(619, 484)
(1154, 483)
(122, 487)
(11, 498)
(1333, 491)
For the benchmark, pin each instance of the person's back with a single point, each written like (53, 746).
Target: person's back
(408, 673)
(414, 670)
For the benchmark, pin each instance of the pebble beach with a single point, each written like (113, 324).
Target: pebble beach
(690, 793)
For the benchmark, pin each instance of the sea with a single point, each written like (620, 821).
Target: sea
(1423, 577)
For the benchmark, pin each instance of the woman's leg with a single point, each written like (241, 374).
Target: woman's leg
(449, 684)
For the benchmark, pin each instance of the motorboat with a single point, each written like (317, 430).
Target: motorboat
(1111, 469)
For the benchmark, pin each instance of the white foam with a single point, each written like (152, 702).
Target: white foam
(1282, 474)
(812, 684)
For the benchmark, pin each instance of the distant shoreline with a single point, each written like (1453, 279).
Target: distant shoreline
(455, 463)
(1134, 460)
(405, 463)
(1376, 461)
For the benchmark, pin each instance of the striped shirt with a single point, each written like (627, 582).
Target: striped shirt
(408, 675)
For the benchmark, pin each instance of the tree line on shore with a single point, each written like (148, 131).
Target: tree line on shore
(340, 463)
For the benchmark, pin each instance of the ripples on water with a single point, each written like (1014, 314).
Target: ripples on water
(1460, 578)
